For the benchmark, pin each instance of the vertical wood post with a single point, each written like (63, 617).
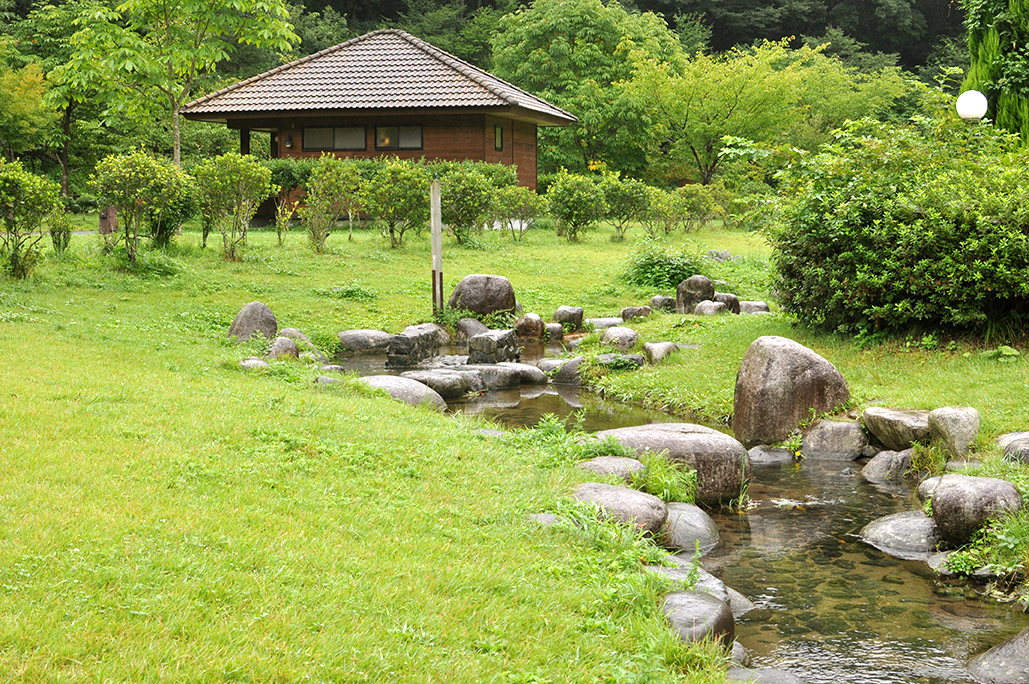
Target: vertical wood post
(436, 222)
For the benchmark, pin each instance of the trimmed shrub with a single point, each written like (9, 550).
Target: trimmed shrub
(397, 196)
(233, 187)
(466, 200)
(333, 189)
(26, 202)
(628, 201)
(576, 202)
(893, 228)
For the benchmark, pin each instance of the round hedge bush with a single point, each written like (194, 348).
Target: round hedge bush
(891, 229)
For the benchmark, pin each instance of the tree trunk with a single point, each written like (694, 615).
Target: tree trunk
(66, 129)
(176, 135)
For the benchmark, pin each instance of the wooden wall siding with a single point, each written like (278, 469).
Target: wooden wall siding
(452, 138)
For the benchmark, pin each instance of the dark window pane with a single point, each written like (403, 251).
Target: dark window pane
(317, 138)
(350, 138)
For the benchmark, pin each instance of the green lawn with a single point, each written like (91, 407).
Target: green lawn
(167, 516)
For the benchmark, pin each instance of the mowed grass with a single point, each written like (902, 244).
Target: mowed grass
(167, 516)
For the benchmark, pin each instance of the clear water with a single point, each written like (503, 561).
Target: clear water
(831, 608)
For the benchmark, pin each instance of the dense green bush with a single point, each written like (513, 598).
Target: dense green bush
(233, 187)
(654, 267)
(397, 196)
(333, 189)
(576, 201)
(628, 201)
(26, 202)
(467, 199)
(894, 228)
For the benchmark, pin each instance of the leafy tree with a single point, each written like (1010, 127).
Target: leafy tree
(761, 94)
(574, 54)
(998, 39)
(466, 200)
(628, 200)
(397, 196)
(850, 51)
(138, 185)
(289, 175)
(233, 187)
(160, 48)
(576, 201)
(23, 115)
(517, 208)
(26, 202)
(333, 189)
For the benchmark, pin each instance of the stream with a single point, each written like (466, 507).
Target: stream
(830, 608)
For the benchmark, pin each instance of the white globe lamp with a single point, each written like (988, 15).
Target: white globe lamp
(971, 105)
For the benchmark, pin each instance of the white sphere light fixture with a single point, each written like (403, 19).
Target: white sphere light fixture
(972, 105)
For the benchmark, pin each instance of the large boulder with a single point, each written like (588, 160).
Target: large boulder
(529, 374)
(494, 346)
(568, 373)
(829, 440)
(753, 307)
(449, 384)
(603, 323)
(897, 429)
(693, 291)
(483, 294)
(710, 308)
(621, 467)
(658, 351)
(283, 348)
(688, 528)
(363, 341)
(406, 390)
(643, 511)
(697, 615)
(415, 344)
(630, 312)
(254, 317)
(555, 332)
(304, 344)
(962, 504)
(910, 535)
(779, 384)
(1017, 450)
(662, 303)
(495, 375)
(1006, 663)
(569, 316)
(621, 337)
(888, 465)
(731, 301)
(954, 428)
(467, 328)
(530, 327)
(720, 461)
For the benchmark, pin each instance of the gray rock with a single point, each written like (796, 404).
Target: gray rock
(1004, 440)
(828, 440)
(569, 316)
(494, 346)
(1005, 663)
(494, 376)
(442, 336)
(303, 342)
(1017, 451)
(762, 455)
(720, 461)
(486, 432)
(630, 312)
(613, 466)
(483, 294)
(253, 318)
(412, 346)
(927, 487)
(762, 675)
(568, 374)
(888, 465)
(662, 303)
(527, 373)
(696, 616)
(449, 384)
(693, 291)
(740, 655)
(962, 504)
(710, 308)
(644, 511)
(753, 307)
(555, 331)
(545, 519)
(657, 351)
(778, 385)
(363, 341)
(599, 324)
(326, 380)
(869, 451)
(954, 428)
(621, 337)
(530, 327)
(621, 360)
(897, 429)
(282, 348)
(467, 328)
(731, 301)
(687, 525)
(406, 390)
(550, 365)
(910, 535)
(252, 363)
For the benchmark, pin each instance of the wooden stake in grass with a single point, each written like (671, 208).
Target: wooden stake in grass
(436, 221)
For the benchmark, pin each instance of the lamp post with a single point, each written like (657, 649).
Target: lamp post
(971, 105)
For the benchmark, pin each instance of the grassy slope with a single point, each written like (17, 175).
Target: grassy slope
(166, 516)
